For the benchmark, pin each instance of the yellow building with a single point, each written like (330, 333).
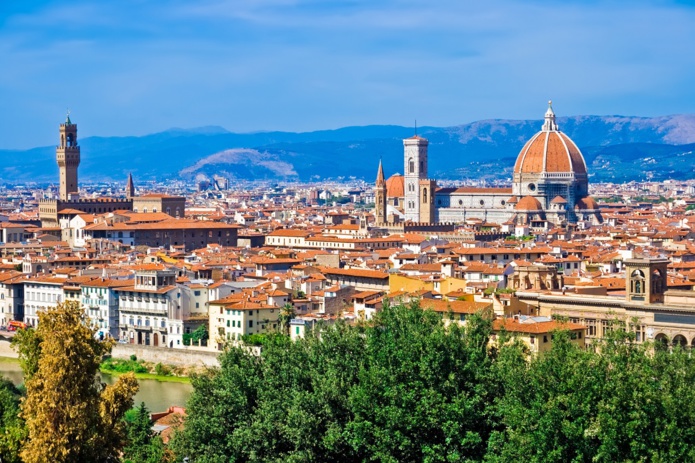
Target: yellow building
(435, 283)
(537, 332)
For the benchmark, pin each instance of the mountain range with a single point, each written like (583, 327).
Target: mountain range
(616, 148)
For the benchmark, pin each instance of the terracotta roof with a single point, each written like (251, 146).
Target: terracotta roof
(515, 326)
(529, 203)
(550, 151)
(395, 186)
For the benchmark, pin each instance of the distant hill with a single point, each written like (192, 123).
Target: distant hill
(616, 148)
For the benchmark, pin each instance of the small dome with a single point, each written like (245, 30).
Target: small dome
(550, 151)
(395, 186)
(513, 200)
(558, 200)
(529, 203)
(586, 203)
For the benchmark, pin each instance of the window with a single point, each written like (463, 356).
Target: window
(606, 327)
(590, 327)
(545, 338)
(411, 166)
(296, 330)
(250, 323)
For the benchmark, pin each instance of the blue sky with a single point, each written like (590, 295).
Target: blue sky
(132, 67)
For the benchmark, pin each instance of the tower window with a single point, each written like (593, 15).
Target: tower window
(411, 166)
(424, 195)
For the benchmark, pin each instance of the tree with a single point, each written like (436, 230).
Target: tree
(12, 429)
(200, 334)
(622, 402)
(143, 445)
(287, 313)
(70, 416)
(406, 388)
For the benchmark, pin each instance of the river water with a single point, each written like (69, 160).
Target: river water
(157, 395)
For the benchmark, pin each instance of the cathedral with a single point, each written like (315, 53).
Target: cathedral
(550, 187)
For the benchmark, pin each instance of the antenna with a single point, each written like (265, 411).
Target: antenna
(416, 127)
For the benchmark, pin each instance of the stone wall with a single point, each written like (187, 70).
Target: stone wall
(177, 357)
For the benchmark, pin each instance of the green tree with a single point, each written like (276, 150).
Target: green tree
(198, 335)
(287, 313)
(404, 389)
(622, 402)
(143, 445)
(70, 416)
(12, 428)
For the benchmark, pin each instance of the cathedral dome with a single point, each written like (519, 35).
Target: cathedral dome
(529, 203)
(395, 186)
(550, 151)
(587, 203)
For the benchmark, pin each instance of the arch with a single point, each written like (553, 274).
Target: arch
(661, 339)
(657, 281)
(679, 340)
(637, 282)
(411, 166)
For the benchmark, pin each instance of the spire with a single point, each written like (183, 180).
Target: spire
(130, 187)
(380, 175)
(67, 118)
(549, 125)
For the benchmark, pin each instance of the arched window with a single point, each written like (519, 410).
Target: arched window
(637, 281)
(411, 166)
(657, 282)
(424, 195)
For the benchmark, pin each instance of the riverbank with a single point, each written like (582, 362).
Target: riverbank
(150, 376)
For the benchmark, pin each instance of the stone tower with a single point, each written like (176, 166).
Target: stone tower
(68, 157)
(427, 188)
(130, 187)
(415, 165)
(645, 280)
(380, 196)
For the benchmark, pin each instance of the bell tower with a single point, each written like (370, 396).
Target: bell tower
(380, 196)
(415, 164)
(645, 280)
(68, 158)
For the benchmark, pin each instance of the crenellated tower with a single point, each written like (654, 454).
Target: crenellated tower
(68, 158)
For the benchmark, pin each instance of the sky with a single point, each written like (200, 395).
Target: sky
(134, 67)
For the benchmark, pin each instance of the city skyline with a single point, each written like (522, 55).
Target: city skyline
(134, 68)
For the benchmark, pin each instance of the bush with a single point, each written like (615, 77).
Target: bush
(162, 370)
(133, 357)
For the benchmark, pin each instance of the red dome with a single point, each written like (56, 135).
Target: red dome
(587, 202)
(529, 203)
(550, 151)
(395, 186)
